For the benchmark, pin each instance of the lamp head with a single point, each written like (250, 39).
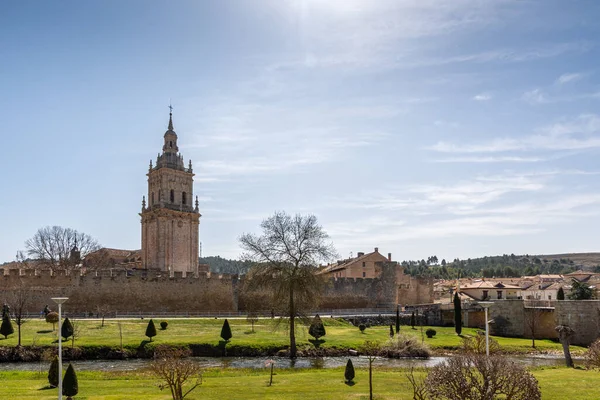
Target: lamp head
(59, 300)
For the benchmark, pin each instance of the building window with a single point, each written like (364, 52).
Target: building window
(549, 297)
(364, 264)
(485, 294)
(184, 198)
(499, 294)
(172, 196)
(170, 144)
(364, 274)
(152, 203)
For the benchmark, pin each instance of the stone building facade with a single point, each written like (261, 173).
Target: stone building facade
(170, 220)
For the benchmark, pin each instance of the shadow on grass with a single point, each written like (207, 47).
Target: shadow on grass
(47, 387)
(351, 383)
(316, 342)
(45, 331)
(249, 332)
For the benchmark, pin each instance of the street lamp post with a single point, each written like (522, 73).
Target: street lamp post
(486, 305)
(59, 301)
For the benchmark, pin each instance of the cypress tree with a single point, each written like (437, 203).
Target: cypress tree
(397, 319)
(6, 328)
(413, 320)
(349, 372)
(560, 295)
(151, 330)
(66, 329)
(457, 314)
(53, 373)
(316, 329)
(226, 331)
(70, 385)
(391, 331)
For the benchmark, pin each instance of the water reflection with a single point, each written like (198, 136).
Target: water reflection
(259, 362)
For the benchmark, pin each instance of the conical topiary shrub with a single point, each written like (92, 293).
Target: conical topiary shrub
(226, 331)
(151, 330)
(66, 329)
(349, 372)
(70, 385)
(316, 329)
(53, 373)
(6, 328)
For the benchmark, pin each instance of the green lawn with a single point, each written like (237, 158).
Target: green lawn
(206, 331)
(556, 383)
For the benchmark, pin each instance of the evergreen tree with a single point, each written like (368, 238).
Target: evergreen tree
(70, 385)
(580, 291)
(413, 320)
(457, 314)
(349, 372)
(151, 330)
(53, 373)
(560, 295)
(66, 330)
(397, 319)
(6, 328)
(226, 331)
(316, 329)
(391, 331)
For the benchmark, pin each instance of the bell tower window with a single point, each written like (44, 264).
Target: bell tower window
(170, 144)
(184, 198)
(172, 196)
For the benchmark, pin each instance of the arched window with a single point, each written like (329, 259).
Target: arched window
(171, 144)
(172, 196)
(184, 198)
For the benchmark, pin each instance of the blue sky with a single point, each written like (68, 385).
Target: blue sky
(460, 129)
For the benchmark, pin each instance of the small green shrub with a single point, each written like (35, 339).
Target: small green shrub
(226, 334)
(430, 333)
(316, 329)
(53, 373)
(70, 385)
(151, 330)
(6, 328)
(163, 325)
(362, 327)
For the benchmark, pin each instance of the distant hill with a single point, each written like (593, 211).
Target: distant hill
(506, 265)
(222, 265)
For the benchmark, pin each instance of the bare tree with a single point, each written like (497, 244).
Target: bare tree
(55, 247)
(77, 330)
(102, 310)
(477, 377)
(172, 366)
(19, 300)
(287, 255)
(565, 333)
(533, 314)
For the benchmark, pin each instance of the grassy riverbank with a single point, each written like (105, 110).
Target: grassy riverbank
(556, 383)
(206, 331)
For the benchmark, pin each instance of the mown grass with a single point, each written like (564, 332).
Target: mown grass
(556, 383)
(340, 334)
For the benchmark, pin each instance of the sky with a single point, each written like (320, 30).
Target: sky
(450, 128)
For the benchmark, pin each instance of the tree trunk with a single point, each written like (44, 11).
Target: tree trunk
(370, 379)
(567, 351)
(19, 328)
(292, 325)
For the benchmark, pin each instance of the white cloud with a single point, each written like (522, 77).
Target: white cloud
(535, 96)
(482, 97)
(566, 78)
(492, 159)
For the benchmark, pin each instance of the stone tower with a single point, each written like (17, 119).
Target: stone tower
(170, 222)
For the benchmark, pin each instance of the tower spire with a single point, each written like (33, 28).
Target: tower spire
(170, 117)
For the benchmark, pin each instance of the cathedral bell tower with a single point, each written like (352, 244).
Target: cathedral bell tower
(170, 222)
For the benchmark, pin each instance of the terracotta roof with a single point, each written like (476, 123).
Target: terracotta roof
(343, 264)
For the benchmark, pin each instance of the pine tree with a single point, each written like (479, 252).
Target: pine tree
(53, 373)
(316, 329)
(70, 385)
(226, 331)
(413, 320)
(560, 295)
(397, 319)
(457, 314)
(151, 330)
(349, 373)
(66, 330)
(6, 328)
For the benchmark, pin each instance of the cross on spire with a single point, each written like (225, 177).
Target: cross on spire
(170, 116)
